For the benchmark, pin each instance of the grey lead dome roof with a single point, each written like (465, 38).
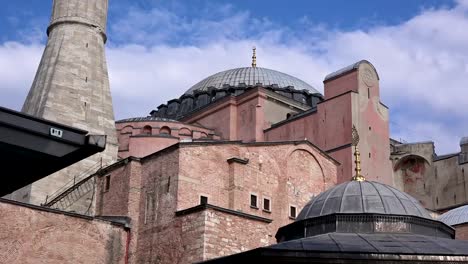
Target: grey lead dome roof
(250, 76)
(363, 197)
(455, 216)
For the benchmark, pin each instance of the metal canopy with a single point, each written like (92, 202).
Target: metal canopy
(32, 148)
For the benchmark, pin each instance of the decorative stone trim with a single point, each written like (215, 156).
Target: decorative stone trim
(203, 207)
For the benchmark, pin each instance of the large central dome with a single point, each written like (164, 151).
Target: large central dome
(250, 76)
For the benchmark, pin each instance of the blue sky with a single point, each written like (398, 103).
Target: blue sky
(158, 49)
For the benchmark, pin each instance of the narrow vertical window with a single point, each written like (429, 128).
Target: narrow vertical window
(150, 207)
(107, 183)
(266, 204)
(203, 200)
(292, 212)
(368, 92)
(253, 201)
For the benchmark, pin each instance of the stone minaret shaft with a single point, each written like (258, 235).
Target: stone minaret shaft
(72, 84)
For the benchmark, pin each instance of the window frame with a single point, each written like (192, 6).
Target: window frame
(269, 204)
(256, 200)
(291, 206)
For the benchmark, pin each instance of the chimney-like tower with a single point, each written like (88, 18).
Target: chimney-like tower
(72, 87)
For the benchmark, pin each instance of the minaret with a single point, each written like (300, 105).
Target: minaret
(72, 86)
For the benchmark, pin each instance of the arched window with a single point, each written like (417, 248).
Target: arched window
(146, 130)
(126, 130)
(165, 130)
(185, 132)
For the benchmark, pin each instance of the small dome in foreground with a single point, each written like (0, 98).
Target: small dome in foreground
(356, 197)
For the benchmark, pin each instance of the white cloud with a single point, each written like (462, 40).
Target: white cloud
(18, 64)
(423, 62)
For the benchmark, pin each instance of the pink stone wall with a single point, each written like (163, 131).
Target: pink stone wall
(245, 116)
(351, 99)
(342, 84)
(219, 118)
(113, 202)
(141, 146)
(227, 234)
(34, 236)
(461, 231)
(141, 138)
(249, 118)
(175, 178)
(286, 174)
(325, 128)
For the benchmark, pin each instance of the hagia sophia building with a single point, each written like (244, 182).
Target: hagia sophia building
(249, 164)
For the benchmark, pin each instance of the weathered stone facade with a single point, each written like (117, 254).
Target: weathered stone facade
(34, 235)
(352, 97)
(161, 193)
(438, 182)
(139, 137)
(72, 87)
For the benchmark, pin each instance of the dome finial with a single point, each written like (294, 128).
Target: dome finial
(357, 156)
(254, 57)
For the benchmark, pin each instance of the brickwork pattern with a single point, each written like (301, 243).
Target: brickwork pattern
(30, 236)
(174, 179)
(461, 231)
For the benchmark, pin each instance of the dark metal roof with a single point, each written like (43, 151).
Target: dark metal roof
(250, 76)
(146, 119)
(363, 197)
(455, 216)
(357, 248)
(378, 244)
(32, 148)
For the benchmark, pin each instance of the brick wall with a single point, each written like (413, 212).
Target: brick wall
(173, 180)
(30, 234)
(227, 234)
(461, 231)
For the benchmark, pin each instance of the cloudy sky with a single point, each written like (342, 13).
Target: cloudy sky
(158, 49)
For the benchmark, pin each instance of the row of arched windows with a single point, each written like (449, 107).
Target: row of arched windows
(165, 130)
(148, 130)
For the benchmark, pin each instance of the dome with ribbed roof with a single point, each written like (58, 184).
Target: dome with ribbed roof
(455, 216)
(356, 197)
(250, 76)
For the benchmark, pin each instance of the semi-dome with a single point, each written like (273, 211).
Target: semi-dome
(356, 197)
(455, 216)
(250, 76)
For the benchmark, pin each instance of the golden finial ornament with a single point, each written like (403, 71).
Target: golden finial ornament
(357, 156)
(254, 57)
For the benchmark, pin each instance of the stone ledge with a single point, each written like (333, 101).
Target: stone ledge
(121, 221)
(203, 207)
(238, 160)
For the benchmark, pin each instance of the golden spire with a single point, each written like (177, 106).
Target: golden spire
(254, 57)
(357, 156)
